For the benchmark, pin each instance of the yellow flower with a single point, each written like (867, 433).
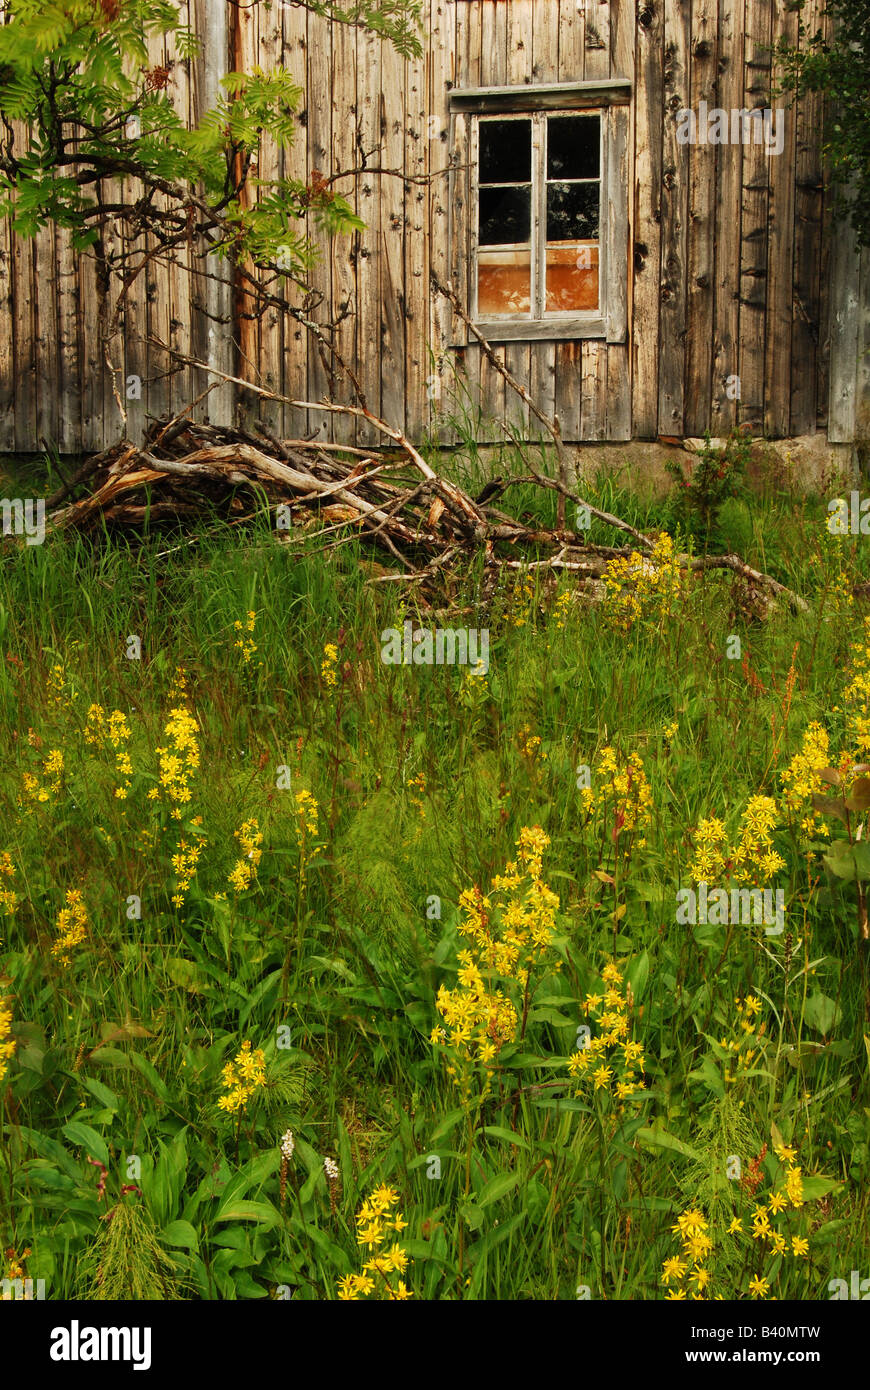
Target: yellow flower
(758, 1287)
(673, 1268)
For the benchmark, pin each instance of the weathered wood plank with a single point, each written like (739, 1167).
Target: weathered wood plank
(297, 345)
(213, 323)
(183, 383)
(493, 43)
(647, 220)
(845, 333)
(268, 53)
(567, 372)
(726, 292)
(701, 225)
(320, 118)
(518, 356)
(780, 254)
(156, 312)
(806, 326)
(571, 41)
(69, 425)
(862, 382)
(394, 288)
(675, 213)
(46, 340)
(24, 313)
(545, 41)
(7, 336)
(416, 242)
(596, 40)
(618, 391)
(369, 249)
(593, 405)
(623, 24)
(442, 31)
(754, 220)
(616, 244)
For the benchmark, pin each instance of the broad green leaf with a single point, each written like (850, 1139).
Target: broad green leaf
(180, 1233)
(84, 1137)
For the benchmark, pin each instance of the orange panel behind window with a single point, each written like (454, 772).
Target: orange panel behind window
(572, 277)
(504, 284)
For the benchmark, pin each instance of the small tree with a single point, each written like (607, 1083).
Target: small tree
(84, 111)
(840, 67)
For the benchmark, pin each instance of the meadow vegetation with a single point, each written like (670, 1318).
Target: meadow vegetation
(325, 978)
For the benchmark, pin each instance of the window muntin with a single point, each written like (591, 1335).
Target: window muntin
(539, 214)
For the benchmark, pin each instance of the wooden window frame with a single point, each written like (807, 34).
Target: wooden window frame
(611, 98)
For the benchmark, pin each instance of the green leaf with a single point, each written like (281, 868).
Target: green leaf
(262, 1212)
(497, 1187)
(450, 1121)
(84, 1137)
(548, 1015)
(508, 1135)
(817, 1186)
(180, 1233)
(861, 856)
(821, 1012)
(859, 797)
(148, 1070)
(659, 1138)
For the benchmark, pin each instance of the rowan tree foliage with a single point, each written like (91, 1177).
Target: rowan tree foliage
(839, 66)
(90, 136)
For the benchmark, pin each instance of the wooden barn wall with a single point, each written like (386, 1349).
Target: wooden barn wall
(732, 252)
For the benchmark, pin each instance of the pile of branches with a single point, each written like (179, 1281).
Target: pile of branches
(424, 526)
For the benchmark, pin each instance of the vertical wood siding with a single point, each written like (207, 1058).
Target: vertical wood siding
(730, 271)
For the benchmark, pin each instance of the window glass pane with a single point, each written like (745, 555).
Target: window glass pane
(572, 211)
(505, 216)
(572, 278)
(505, 151)
(573, 147)
(504, 280)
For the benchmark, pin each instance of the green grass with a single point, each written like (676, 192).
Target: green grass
(541, 1193)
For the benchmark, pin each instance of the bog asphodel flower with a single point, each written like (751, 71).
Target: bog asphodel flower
(507, 940)
(377, 1223)
(328, 673)
(72, 925)
(245, 643)
(245, 869)
(242, 1078)
(7, 1042)
(609, 1059)
(179, 761)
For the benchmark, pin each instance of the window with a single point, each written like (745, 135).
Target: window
(538, 216)
(541, 212)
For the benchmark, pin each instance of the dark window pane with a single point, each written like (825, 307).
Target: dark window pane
(573, 147)
(572, 211)
(505, 215)
(505, 151)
